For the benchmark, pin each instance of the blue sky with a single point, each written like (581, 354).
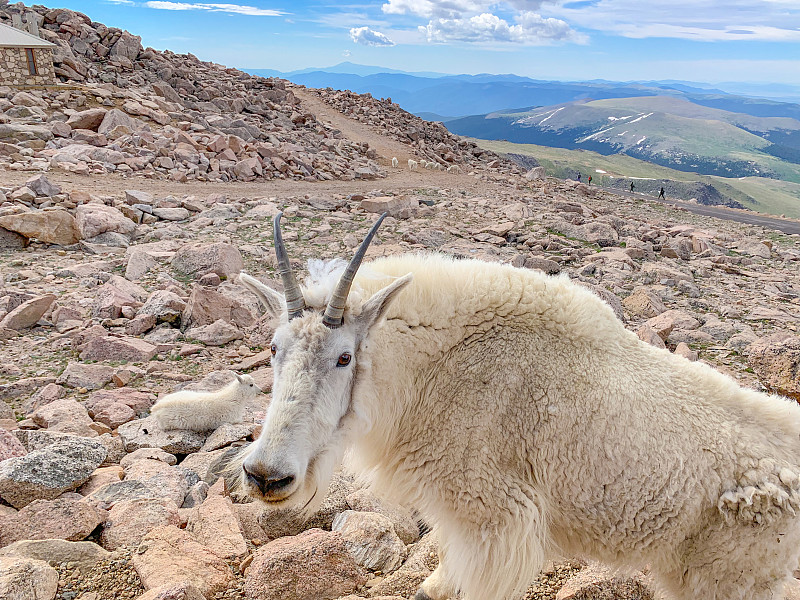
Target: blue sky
(694, 40)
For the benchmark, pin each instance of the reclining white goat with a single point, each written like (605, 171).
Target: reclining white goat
(206, 410)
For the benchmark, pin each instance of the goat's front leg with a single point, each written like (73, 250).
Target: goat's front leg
(436, 586)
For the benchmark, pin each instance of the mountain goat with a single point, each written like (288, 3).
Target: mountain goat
(412, 164)
(204, 411)
(395, 162)
(519, 416)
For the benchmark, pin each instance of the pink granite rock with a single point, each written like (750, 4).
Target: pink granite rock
(118, 349)
(168, 556)
(10, 446)
(199, 259)
(79, 375)
(69, 517)
(314, 565)
(130, 520)
(215, 525)
(65, 416)
(28, 313)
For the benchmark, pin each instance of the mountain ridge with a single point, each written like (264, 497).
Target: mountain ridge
(322, 78)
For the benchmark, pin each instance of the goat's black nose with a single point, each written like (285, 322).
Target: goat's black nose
(270, 484)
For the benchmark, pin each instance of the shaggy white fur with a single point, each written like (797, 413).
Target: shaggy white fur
(516, 412)
(412, 165)
(395, 162)
(204, 411)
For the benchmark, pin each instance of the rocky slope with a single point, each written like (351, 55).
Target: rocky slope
(136, 110)
(114, 291)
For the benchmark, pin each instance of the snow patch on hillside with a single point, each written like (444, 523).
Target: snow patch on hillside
(551, 115)
(642, 117)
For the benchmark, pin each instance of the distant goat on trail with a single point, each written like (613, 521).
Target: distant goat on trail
(521, 418)
(395, 162)
(205, 411)
(412, 164)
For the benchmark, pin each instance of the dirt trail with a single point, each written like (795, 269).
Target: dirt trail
(355, 130)
(723, 212)
(397, 181)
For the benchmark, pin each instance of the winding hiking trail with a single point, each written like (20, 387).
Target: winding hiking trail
(790, 226)
(355, 130)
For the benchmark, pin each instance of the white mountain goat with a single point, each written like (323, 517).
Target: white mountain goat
(204, 411)
(412, 165)
(453, 169)
(395, 162)
(519, 416)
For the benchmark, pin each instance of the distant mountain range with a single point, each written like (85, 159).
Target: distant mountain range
(443, 97)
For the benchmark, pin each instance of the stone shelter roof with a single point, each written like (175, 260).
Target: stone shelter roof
(11, 37)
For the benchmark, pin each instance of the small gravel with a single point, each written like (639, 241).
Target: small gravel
(552, 579)
(110, 579)
(236, 591)
(115, 579)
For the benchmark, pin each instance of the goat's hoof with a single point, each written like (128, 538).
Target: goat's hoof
(421, 595)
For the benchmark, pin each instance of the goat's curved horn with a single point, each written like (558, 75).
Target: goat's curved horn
(334, 312)
(295, 303)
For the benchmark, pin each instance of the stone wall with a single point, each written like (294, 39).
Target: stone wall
(14, 67)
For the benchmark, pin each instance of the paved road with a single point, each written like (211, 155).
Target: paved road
(721, 212)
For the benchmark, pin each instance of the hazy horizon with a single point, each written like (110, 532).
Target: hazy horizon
(788, 86)
(617, 40)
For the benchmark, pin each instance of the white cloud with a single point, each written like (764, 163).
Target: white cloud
(433, 8)
(484, 21)
(127, 2)
(454, 9)
(529, 29)
(762, 20)
(237, 9)
(346, 18)
(712, 34)
(369, 37)
(701, 20)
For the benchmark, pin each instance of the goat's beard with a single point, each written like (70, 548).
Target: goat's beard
(321, 468)
(308, 498)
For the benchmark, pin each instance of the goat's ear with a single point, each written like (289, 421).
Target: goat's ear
(375, 308)
(273, 301)
(239, 377)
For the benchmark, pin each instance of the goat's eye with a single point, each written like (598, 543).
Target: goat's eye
(344, 359)
(273, 349)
